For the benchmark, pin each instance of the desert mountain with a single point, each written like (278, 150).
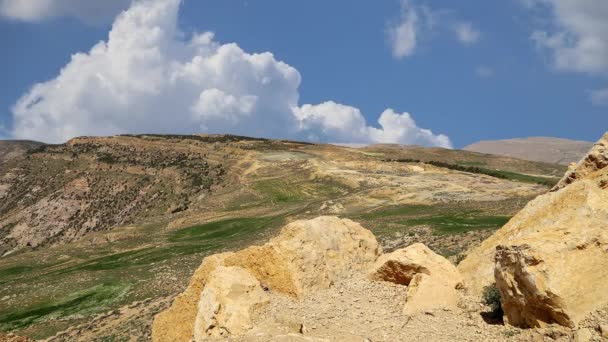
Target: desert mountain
(100, 234)
(10, 149)
(542, 149)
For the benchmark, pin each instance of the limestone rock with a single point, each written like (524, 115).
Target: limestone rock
(595, 160)
(558, 220)
(324, 249)
(551, 259)
(225, 305)
(307, 255)
(431, 279)
(177, 322)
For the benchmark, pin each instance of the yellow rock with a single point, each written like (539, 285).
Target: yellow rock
(552, 259)
(307, 255)
(226, 303)
(431, 279)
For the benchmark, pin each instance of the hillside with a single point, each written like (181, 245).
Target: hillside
(541, 149)
(130, 217)
(13, 148)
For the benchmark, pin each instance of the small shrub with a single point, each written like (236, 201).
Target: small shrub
(491, 297)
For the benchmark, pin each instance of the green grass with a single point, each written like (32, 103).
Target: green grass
(224, 230)
(458, 223)
(12, 271)
(405, 210)
(87, 301)
(279, 191)
(282, 191)
(139, 257)
(548, 181)
(472, 167)
(471, 163)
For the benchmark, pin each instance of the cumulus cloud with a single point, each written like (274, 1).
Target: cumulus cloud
(577, 37)
(330, 121)
(599, 97)
(86, 10)
(145, 79)
(466, 33)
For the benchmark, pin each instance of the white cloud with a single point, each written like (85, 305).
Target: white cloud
(402, 35)
(484, 71)
(145, 79)
(466, 33)
(339, 123)
(90, 11)
(578, 34)
(599, 97)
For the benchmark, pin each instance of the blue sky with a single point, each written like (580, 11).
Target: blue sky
(499, 80)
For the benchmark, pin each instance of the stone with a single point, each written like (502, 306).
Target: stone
(562, 220)
(177, 322)
(583, 335)
(431, 279)
(226, 303)
(604, 330)
(595, 160)
(550, 261)
(306, 255)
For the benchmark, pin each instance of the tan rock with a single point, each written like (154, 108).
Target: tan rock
(595, 160)
(583, 335)
(307, 254)
(431, 279)
(604, 330)
(324, 249)
(177, 322)
(559, 221)
(226, 303)
(551, 259)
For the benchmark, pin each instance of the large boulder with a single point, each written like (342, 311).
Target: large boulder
(226, 303)
(550, 261)
(431, 279)
(306, 255)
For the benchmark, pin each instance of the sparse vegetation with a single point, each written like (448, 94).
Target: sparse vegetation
(458, 222)
(491, 297)
(547, 181)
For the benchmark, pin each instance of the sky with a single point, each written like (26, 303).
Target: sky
(434, 73)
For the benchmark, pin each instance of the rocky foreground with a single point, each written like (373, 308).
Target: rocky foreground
(326, 279)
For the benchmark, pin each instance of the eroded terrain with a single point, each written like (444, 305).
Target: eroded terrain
(99, 226)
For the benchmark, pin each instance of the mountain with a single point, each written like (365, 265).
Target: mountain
(12, 148)
(109, 229)
(542, 149)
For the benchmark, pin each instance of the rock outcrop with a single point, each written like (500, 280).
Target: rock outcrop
(550, 261)
(305, 256)
(226, 303)
(431, 279)
(595, 160)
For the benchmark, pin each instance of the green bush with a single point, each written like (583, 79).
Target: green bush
(491, 297)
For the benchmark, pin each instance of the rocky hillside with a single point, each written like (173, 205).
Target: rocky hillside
(542, 149)
(129, 219)
(326, 279)
(59, 193)
(10, 149)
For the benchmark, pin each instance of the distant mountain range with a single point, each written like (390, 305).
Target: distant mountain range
(542, 149)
